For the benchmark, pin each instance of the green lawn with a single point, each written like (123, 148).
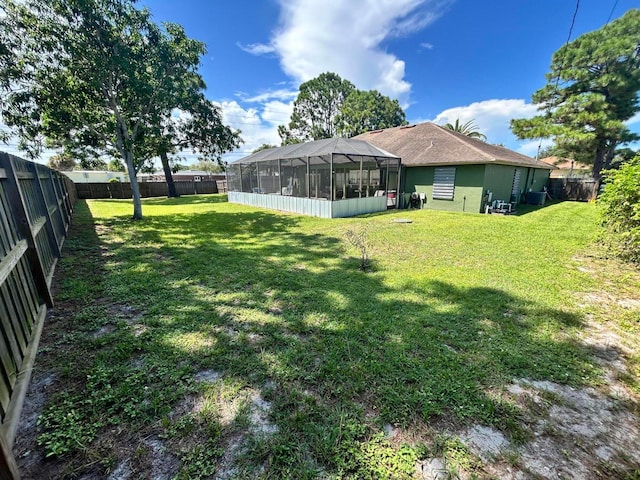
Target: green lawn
(274, 310)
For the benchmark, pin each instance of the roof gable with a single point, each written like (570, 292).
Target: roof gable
(565, 163)
(430, 144)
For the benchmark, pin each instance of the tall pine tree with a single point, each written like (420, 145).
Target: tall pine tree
(591, 90)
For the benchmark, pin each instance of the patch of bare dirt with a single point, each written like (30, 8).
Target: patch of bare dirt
(583, 430)
(575, 433)
(241, 416)
(486, 442)
(28, 455)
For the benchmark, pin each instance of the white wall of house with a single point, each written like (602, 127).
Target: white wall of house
(95, 176)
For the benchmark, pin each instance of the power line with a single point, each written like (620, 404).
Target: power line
(611, 14)
(564, 51)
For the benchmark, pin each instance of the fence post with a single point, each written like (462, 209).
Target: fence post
(63, 187)
(8, 467)
(51, 233)
(24, 228)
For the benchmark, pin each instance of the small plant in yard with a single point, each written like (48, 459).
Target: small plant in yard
(200, 461)
(359, 239)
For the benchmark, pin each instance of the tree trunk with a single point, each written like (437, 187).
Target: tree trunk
(168, 175)
(599, 163)
(127, 155)
(135, 190)
(608, 158)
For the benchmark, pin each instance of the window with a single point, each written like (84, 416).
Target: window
(196, 178)
(444, 183)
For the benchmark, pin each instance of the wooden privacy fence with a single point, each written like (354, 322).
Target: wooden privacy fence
(577, 189)
(35, 211)
(147, 189)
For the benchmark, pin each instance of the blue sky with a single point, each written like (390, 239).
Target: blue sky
(442, 59)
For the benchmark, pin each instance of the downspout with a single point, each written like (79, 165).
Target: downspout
(360, 183)
(386, 183)
(226, 177)
(280, 176)
(258, 176)
(308, 178)
(331, 182)
(398, 186)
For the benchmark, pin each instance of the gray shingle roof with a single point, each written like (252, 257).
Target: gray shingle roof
(344, 146)
(426, 144)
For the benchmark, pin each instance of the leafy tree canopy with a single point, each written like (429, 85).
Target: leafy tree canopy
(198, 127)
(623, 155)
(364, 111)
(98, 76)
(92, 163)
(116, 165)
(264, 146)
(176, 166)
(316, 109)
(62, 162)
(207, 166)
(328, 106)
(592, 90)
(470, 129)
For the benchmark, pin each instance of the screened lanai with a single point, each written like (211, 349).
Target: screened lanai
(335, 177)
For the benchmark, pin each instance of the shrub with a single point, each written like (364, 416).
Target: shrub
(619, 206)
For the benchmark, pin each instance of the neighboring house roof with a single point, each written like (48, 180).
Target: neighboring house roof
(318, 148)
(202, 173)
(427, 144)
(565, 163)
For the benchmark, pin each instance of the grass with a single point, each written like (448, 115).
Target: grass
(452, 309)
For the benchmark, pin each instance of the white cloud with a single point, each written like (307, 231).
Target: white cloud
(426, 46)
(258, 125)
(492, 118)
(280, 94)
(315, 37)
(257, 48)
(277, 113)
(532, 147)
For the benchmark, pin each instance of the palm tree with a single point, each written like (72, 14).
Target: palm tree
(469, 129)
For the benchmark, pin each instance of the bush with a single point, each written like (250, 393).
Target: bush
(619, 206)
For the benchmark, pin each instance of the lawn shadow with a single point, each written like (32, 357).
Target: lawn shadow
(525, 209)
(252, 297)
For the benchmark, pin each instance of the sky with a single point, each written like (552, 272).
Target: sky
(442, 59)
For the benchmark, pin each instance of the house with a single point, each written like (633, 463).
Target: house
(567, 168)
(450, 171)
(335, 177)
(96, 176)
(183, 176)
